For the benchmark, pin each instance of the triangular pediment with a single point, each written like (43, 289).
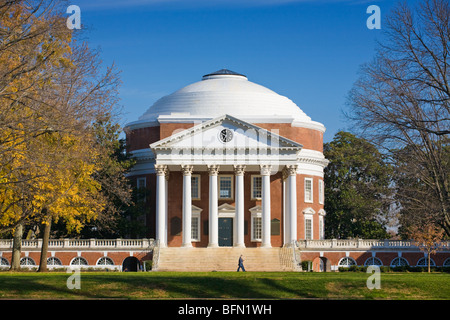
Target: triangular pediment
(226, 208)
(256, 209)
(226, 132)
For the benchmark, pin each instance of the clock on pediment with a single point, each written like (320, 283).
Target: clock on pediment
(225, 135)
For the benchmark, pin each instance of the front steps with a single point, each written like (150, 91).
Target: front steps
(224, 259)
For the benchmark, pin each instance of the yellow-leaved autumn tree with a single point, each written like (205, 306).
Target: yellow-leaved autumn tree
(51, 93)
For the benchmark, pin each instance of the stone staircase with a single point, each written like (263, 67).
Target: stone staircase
(224, 259)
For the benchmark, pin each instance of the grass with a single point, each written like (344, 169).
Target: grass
(224, 285)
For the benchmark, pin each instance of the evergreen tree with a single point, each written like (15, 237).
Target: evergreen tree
(357, 188)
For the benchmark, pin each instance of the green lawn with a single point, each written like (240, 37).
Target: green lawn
(223, 285)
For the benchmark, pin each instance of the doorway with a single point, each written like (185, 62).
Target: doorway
(225, 232)
(130, 264)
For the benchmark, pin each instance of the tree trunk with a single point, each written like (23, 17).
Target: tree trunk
(17, 248)
(429, 262)
(44, 249)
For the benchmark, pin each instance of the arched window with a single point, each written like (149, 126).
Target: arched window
(446, 263)
(399, 262)
(347, 262)
(423, 262)
(4, 263)
(79, 261)
(373, 261)
(27, 261)
(105, 261)
(53, 261)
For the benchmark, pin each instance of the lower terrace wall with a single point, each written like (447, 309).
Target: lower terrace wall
(129, 254)
(117, 254)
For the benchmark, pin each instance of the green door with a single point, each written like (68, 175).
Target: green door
(225, 232)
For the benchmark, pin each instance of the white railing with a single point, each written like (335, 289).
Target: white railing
(90, 244)
(365, 244)
(133, 244)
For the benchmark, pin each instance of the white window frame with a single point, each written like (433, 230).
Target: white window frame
(321, 192)
(399, 262)
(347, 262)
(198, 186)
(373, 261)
(321, 228)
(232, 186)
(310, 219)
(27, 262)
(79, 261)
(309, 200)
(105, 261)
(308, 214)
(257, 215)
(253, 187)
(196, 220)
(53, 262)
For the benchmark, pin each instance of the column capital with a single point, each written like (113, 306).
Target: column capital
(187, 169)
(161, 169)
(266, 169)
(213, 169)
(290, 170)
(239, 170)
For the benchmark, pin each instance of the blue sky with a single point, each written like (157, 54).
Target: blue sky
(309, 51)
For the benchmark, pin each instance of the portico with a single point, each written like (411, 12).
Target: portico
(226, 149)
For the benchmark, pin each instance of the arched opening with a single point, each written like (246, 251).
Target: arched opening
(321, 264)
(130, 264)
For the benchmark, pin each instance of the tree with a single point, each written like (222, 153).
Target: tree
(401, 102)
(357, 185)
(52, 92)
(428, 238)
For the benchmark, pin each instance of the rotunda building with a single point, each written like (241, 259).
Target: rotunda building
(229, 163)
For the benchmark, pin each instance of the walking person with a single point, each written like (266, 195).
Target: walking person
(241, 264)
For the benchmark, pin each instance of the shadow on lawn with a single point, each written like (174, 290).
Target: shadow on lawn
(154, 286)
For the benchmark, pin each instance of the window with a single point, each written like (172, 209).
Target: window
(423, 262)
(446, 263)
(105, 261)
(256, 226)
(256, 187)
(321, 192)
(347, 262)
(195, 187)
(53, 261)
(399, 262)
(3, 262)
(373, 262)
(79, 261)
(321, 228)
(27, 261)
(308, 190)
(195, 227)
(225, 187)
(308, 229)
(141, 184)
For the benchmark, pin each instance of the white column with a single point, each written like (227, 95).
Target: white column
(167, 206)
(187, 205)
(213, 207)
(239, 199)
(265, 194)
(161, 200)
(286, 224)
(292, 190)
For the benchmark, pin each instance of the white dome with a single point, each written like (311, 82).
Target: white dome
(225, 92)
